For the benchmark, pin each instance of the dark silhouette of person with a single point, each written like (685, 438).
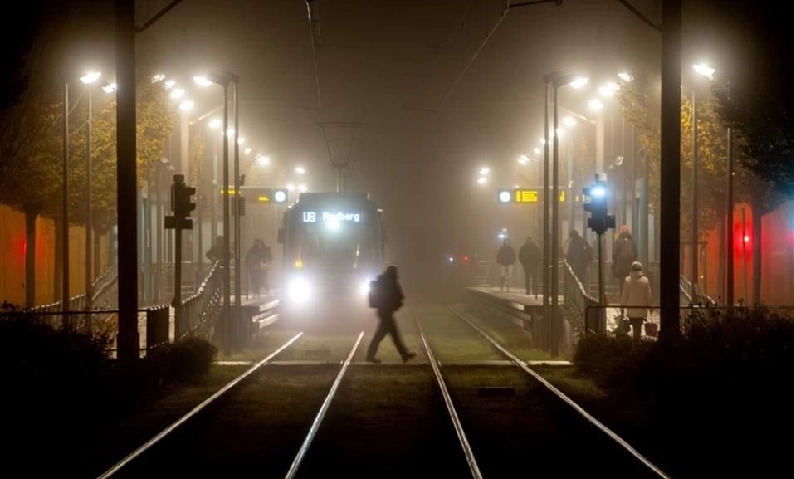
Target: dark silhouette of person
(624, 254)
(215, 253)
(255, 261)
(390, 299)
(529, 257)
(506, 258)
(578, 257)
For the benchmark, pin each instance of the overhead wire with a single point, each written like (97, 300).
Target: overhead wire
(314, 53)
(476, 53)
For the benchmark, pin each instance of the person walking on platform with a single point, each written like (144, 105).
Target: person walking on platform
(506, 258)
(389, 299)
(529, 257)
(624, 254)
(636, 296)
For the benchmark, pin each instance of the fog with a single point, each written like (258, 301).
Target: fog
(439, 88)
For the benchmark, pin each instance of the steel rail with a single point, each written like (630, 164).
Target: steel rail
(318, 419)
(521, 364)
(453, 415)
(196, 410)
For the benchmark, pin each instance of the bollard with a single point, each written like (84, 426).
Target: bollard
(156, 327)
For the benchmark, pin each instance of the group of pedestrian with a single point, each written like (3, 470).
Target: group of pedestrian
(634, 289)
(257, 262)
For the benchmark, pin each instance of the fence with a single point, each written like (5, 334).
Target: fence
(611, 319)
(576, 301)
(198, 313)
(105, 294)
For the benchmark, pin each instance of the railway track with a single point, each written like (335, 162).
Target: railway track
(446, 420)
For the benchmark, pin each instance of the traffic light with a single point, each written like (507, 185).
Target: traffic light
(183, 204)
(280, 195)
(595, 202)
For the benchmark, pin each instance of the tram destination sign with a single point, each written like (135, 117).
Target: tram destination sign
(330, 217)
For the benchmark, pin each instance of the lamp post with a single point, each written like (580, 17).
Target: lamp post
(237, 274)
(556, 80)
(224, 80)
(707, 72)
(65, 210)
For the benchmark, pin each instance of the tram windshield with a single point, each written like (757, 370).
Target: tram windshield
(338, 247)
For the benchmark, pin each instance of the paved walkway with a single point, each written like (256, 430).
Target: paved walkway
(518, 296)
(515, 294)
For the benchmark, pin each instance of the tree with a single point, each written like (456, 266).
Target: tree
(641, 103)
(34, 158)
(34, 185)
(155, 123)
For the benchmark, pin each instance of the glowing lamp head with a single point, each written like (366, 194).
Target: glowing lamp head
(598, 191)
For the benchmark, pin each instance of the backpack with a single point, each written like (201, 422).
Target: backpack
(374, 297)
(628, 252)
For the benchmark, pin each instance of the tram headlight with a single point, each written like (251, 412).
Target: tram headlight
(363, 288)
(299, 290)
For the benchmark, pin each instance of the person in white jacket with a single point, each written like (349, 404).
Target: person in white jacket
(637, 297)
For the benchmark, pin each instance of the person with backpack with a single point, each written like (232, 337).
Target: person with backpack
(624, 253)
(387, 297)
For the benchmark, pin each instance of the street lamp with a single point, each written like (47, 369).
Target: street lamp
(224, 80)
(706, 71)
(186, 105)
(555, 80)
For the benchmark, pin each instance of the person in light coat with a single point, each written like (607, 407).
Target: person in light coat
(636, 297)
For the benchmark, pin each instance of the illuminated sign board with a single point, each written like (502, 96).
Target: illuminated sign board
(327, 217)
(533, 195)
(526, 195)
(260, 195)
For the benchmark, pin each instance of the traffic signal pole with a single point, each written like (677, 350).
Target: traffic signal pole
(601, 292)
(595, 202)
(181, 205)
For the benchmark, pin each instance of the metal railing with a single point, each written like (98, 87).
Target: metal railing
(105, 294)
(688, 316)
(696, 297)
(576, 300)
(199, 312)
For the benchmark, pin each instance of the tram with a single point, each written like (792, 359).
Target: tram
(334, 244)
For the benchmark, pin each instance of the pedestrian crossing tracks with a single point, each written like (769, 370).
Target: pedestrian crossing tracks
(340, 418)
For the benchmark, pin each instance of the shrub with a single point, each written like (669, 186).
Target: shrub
(612, 361)
(54, 381)
(716, 393)
(185, 360)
